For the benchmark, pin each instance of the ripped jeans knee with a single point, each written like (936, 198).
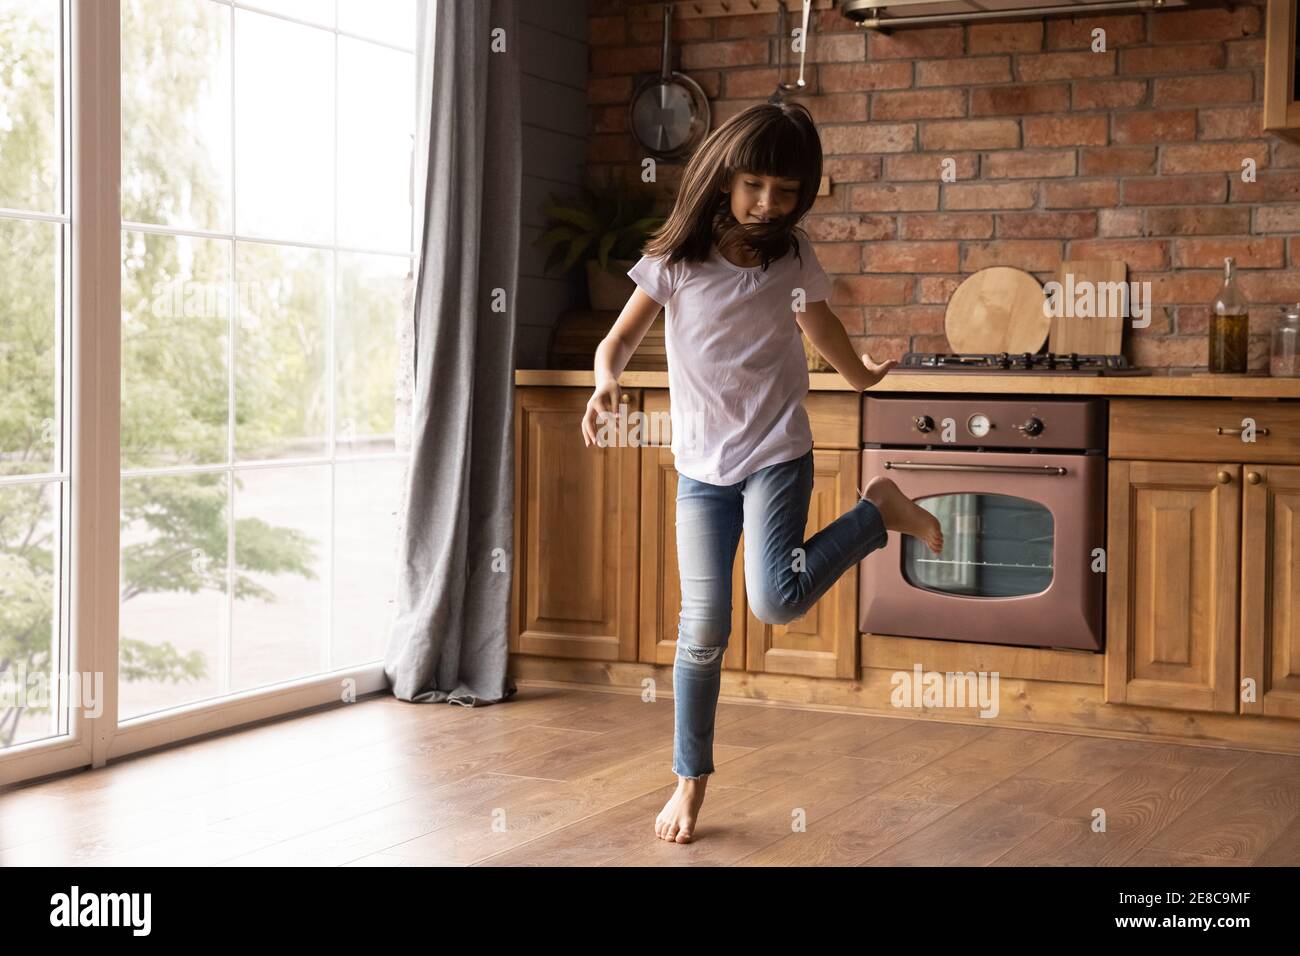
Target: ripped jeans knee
(699, 653)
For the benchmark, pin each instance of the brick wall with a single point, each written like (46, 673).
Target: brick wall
(1133, 153)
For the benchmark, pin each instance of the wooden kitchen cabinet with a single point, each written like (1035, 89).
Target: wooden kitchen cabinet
(1172, 581)
(820, 644)
(1270, 576)
(1281, 80)
(1203, 557)
(576, 529)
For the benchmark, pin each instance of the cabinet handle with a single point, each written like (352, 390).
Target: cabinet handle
(1225, 477)
(1259, 430)
(1254, 477)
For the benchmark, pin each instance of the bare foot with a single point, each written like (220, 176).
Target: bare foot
(676, 821)
(904, 515)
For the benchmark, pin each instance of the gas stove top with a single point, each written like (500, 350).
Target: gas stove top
(1022, 364)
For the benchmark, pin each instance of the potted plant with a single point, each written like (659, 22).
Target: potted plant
(605, 228)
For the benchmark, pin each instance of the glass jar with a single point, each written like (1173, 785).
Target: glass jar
(1284, 356)
(1229, 325)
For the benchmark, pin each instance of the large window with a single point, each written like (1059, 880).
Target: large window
(266, 274)
(266, 244)
(34, 472)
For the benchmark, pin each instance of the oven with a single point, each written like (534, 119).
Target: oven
(1018, 486)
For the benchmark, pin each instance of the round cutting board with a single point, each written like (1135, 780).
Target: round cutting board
(998, 309)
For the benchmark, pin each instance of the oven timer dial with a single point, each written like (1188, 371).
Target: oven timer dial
(978, 425)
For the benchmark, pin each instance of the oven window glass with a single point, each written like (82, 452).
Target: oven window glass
(993, 546)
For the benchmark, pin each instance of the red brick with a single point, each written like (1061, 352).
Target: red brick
(928, 166)
(852, 169)
(946, 226)
(1119, 161)
(881, 347)
(1020, 99)
(1245, 53)
(1271, 286)
(873, 290)
(1058, 66)
(1046, 225)
(839, 256)
(1169, 351)
(1066, 131)
(869, 138)
(864, 77)
(702, 56)
(829, 48)
(938, 288)
(838, 108)
(829, 204)
(1203, 90)
(915, 43)
(1230, 122)
(1226, 157)
(996, 196)
(1082, 193)
(1155, 126)
(749, 25)
(890, 197)
(1277, 219)
(614, 60)
(1075, 33)
(1024, 37)
(1029, 254)
(609, 89)
(609, 119)
(1197, 221)
(1015, 164)
(1285, 154)
(1181, 59)
(1180, 190)
(1169, 288)
(607, 31)
(685, 30)
(905, 320)
(970, 134)
(918, 104)
(910, 257)
(1175, 26)
(757, 82)
(1137, 253)
(849, 228)
(1248, 252)
(964, 71)
(1119, 222)
(609, 148)
(1108, 94)
(1268, 187)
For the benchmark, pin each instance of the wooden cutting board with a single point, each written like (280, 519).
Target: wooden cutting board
(998, 309)
(1101, 333)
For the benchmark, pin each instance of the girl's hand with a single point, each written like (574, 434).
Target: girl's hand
(604, 399)
(877, 371)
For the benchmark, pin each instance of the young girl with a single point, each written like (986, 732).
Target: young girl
(739, 280)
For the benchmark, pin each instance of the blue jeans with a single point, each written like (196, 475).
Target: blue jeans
(781, 581)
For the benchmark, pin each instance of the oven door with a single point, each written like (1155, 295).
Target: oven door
(1019, 533)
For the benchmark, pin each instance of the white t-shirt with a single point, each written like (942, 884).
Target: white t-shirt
(737, 374)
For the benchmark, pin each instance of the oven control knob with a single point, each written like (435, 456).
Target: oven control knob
(1032, 426)
(924, 423)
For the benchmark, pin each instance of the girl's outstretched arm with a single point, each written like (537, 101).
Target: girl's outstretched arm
(827, 335)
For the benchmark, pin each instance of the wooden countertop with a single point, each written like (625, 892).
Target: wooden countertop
(1160, 386)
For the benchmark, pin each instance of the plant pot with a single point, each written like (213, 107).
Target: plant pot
(609, 289)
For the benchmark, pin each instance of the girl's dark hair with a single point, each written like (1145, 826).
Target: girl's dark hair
(768, 139)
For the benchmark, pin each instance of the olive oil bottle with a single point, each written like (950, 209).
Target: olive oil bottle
(1229, 325)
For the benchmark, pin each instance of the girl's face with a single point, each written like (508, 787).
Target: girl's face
(755, 198)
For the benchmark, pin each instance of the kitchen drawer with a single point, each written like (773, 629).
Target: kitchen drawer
(1204, 430)
(833, 417)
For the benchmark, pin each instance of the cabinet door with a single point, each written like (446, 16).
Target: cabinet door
(1270, 589)
(1172, 578)
(576, 512)
(822, 643)
(661, 592)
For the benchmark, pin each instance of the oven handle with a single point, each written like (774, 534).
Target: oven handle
(1046, 470)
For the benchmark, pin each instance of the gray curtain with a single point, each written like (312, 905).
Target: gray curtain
(449, 634)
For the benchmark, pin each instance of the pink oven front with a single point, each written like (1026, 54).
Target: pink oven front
(1018, 561)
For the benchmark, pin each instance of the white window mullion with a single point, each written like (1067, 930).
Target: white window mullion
(94, 456)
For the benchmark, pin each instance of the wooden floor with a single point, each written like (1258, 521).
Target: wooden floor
(575, 777)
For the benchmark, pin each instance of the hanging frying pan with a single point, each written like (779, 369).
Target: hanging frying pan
(669, 113)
